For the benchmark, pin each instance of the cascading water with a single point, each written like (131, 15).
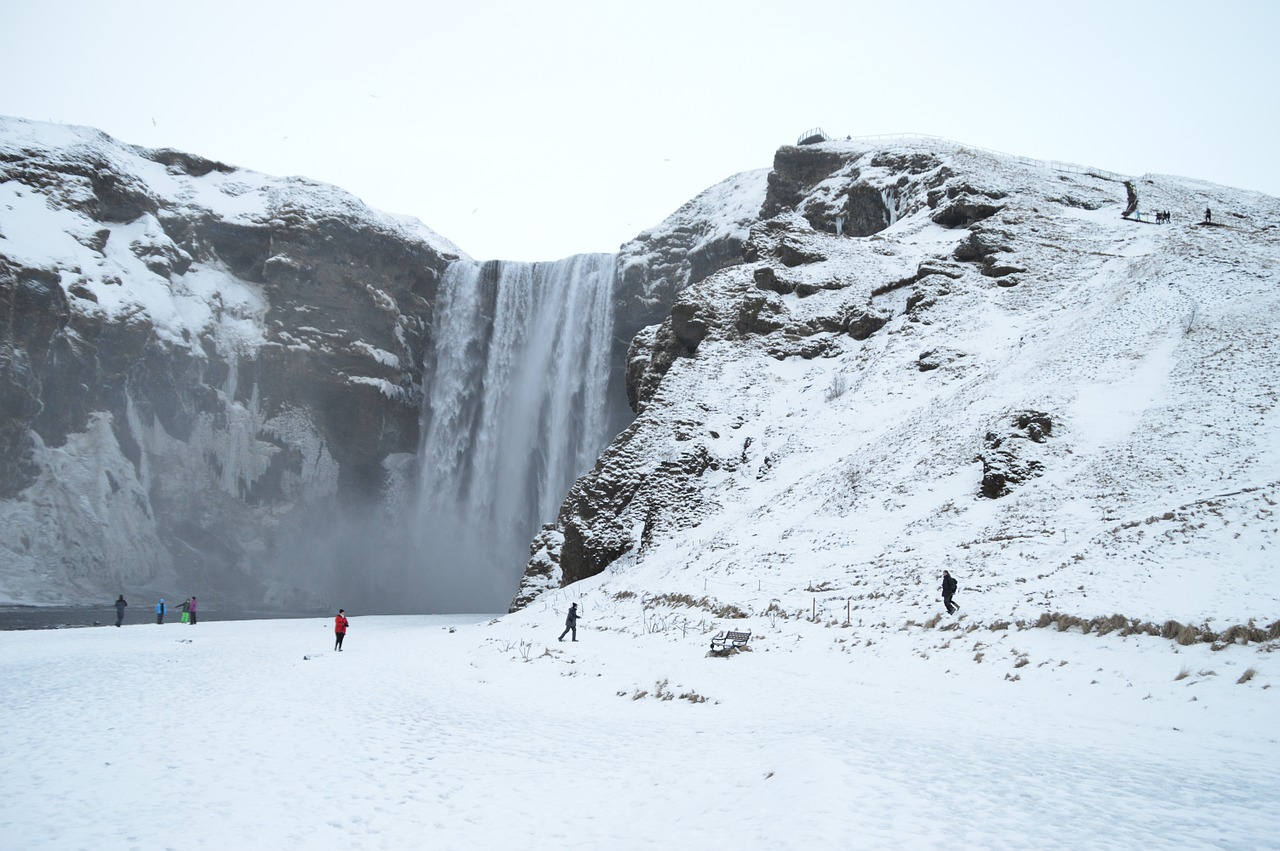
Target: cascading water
(515, 410)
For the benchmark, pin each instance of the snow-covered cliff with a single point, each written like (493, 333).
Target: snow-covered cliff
(846, 372)
(991, 371)
(219, 380)
(195, 359)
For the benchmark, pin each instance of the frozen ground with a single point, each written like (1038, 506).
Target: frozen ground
(468, 732)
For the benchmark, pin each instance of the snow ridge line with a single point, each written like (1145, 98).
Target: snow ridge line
(1051, 165)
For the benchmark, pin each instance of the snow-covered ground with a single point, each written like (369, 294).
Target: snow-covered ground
(471, 732)
(842, 485)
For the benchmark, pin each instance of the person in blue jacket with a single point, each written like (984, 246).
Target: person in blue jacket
(160, 610)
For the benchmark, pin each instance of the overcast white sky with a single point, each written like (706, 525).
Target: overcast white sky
(534, 130)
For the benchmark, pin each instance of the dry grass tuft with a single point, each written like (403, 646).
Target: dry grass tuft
(1246, 676)
(1110, 624)
(1183, 634)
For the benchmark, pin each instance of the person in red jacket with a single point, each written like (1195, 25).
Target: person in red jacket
(339, 629)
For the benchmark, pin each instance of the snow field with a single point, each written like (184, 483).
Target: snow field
(456, 732)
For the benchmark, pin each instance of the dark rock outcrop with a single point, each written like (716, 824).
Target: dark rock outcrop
(797, 171)
(1008, 459)
(989, 247)
(961, 205)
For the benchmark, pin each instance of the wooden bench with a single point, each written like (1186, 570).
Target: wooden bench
(731, 640)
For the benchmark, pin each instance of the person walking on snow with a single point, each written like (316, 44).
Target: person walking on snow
(570, 623)
(948, 591)
(160, 610)
(120, 606)
(339, 629)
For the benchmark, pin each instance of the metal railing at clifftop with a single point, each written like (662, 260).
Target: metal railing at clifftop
(813, 136)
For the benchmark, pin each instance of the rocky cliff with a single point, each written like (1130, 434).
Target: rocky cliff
(215, 379)
(932, 356)
(862, 362)
(194, 361)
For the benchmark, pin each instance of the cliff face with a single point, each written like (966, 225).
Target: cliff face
(216, 378)
(927, 353)
(703, 236)
(213, 381)
(722, 262)
(194, 359)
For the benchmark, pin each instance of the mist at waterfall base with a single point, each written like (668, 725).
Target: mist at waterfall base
(515, 408)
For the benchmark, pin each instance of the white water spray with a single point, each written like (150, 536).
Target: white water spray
(514, 412)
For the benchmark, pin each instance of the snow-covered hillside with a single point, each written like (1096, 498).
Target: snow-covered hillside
(1071, 411)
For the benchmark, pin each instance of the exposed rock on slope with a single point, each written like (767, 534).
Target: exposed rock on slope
(703, 236)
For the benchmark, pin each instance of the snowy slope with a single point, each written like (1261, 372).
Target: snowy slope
(857, 466)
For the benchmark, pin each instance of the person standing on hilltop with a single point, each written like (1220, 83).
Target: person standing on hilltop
(186, 610)
(340, 624)
(193, 610)
(161, 608)
(120, 607)
(948, 591)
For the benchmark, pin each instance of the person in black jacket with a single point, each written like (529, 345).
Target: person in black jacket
(948, 591)
(120, 607)
(570, 623)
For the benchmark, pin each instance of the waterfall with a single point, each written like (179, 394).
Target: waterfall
(513, 412)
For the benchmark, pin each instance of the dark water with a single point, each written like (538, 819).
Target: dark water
(54, 617)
